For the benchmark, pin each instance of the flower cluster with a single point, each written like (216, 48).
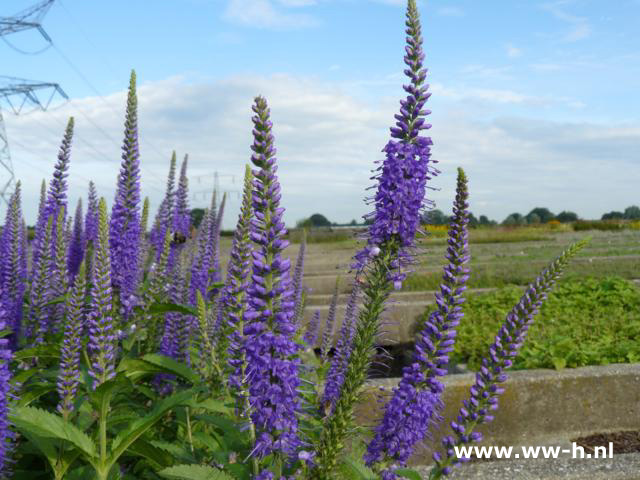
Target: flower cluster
(124, 227)
(417, 399)
(272, 367)
(402, 177)
(101, 329)
(5, 391)
(486, 389)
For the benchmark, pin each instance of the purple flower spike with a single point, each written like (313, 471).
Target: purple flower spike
(380, 266)
(327, 337)
(232, 300)
(40, 293)
(72, 345)
(182, 217)
(124, 228)
(102, 337)
(416, 401)
(335, 376)
(311, 335)
(272, 367)
(91, 221)
(76, 247)
(298, 274)
(216, 271)
(6, 435)
(402, 177)
(56, 197)
(164, 217)
(13, 268)
(485, 392)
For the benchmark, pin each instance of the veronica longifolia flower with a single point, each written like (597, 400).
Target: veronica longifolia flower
(5, 391)
(72, 345)
(272, 368)
(102, 337)
(56, 197)
(486, 389)
(399, 198)
(163, 219)
(416, 401)
(76, 247)
(13, 269)
(124, 228)
(232, 305)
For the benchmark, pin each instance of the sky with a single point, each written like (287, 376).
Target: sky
(538, 101)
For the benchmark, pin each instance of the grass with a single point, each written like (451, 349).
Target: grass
(585, 321)
(522, 272)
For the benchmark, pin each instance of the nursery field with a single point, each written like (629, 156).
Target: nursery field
(593, 319)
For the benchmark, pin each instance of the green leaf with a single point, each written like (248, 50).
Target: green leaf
(41, 351)
(193, 472)
(47, 425)
(137, 428)
(359, 470)
(169, 365)
(56, 300)
(165, 307)
(408, 473)
(158, 457)
(34, 392)
(101, 397)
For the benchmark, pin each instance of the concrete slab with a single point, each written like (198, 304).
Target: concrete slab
(539, 407)
(620, 467)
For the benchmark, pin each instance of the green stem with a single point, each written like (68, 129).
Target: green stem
(189, 436)
(335, 429)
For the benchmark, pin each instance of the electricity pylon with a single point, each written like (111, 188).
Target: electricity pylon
(18, 93)
(24, 92)
(26, 19)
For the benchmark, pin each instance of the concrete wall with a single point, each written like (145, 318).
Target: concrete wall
(539, 407)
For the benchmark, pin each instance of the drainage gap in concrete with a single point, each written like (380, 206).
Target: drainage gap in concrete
(623, 442)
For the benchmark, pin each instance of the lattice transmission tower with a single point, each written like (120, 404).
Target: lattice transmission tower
(17, 92)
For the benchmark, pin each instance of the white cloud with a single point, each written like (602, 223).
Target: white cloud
(579, 27)
(263, 14)
(327, 143)
(513, 52)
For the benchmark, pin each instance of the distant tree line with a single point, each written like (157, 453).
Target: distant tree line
(537, 216)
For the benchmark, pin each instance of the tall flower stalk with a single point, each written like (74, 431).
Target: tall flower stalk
(40, 292)
(124, 228)
(56, 196)
(416, 401)
(163, 218)
(76, 246)
(72, 345)
(272, 365)
(6, 435)
(380, 266)
(102, 336)
(233, 304)
(13, 270)
(486, 390)
(298, 277)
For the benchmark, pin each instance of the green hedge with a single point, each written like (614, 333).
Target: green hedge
(585, 321)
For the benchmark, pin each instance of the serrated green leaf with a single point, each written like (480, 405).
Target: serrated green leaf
(169, 365)
(34, 392)
(48, 425)
(158, 458)
(359, 470)
(137, 428)
(41, 351)
(193, 472)
(408, 473)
